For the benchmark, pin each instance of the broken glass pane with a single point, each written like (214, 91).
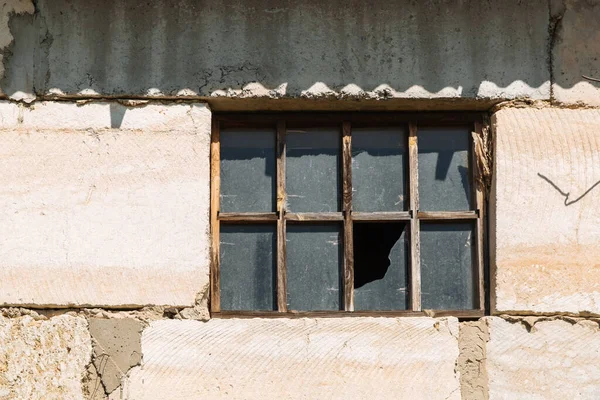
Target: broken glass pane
(314, 262)
(313, 170)
(248, 170)
(447, 266)
(378, 169)
(444, 169)
(248, 267)
(381, 266)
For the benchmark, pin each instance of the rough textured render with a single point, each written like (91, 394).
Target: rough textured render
(311, 49)
(103, 204)
(546, 211)
(359, 358)
(471, 363)
(555, 360)
(117, 347)
(43, 359)
(576, 51)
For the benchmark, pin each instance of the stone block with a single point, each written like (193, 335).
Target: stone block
(576, 52)
(543, 360)
(545, 216)
(105, 205)
(358, 358)
(43, 359)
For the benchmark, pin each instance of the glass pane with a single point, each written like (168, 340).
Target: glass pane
(313, 170)
(378, 169)
(248, 170)
(444, 169)
(248, 267)
(314, 262)
(447, 266)
(381, 266)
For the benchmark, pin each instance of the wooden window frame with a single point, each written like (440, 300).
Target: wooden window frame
(346, 121)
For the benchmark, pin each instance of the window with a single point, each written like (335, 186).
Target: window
(362, 213)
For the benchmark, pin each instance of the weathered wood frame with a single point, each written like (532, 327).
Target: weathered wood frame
(412, 121)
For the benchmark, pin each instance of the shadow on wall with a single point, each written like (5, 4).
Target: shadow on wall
(117, 113)
(566, 195)
(312, 48)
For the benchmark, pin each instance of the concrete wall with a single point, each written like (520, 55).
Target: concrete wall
(104, 204)
(575, 50)
(466, 50)
(294, 48)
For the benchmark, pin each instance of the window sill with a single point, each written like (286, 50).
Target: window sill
(462, 314)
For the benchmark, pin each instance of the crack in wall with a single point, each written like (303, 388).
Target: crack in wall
(529, 322)
(199, 311)
(41, 52)
(93, 388)
(556, 12)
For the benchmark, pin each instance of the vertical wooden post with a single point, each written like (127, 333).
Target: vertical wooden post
(347, 210)
(415, 244)
(281, 226)
(480, 228)
(215, 191)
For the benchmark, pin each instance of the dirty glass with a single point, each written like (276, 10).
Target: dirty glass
(248, 267)
(313, 170)
(446, 266)
(378, 169)
(444, 169)
(381, 266)
(314, 261)
(248, 170)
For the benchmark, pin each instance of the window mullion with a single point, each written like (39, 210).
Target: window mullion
(347, 209)
(281, 224)
(479, 229)
(415, 247)
(215, 172)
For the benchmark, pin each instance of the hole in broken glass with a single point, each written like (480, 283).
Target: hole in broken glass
(373, 243)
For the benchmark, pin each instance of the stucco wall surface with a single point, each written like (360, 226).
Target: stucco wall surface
(103, 204)
(383, 358)
(43, 359)
(546, 211)
(543, 361)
